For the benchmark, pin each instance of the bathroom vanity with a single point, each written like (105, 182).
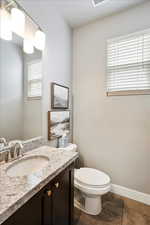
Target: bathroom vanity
(43, 197)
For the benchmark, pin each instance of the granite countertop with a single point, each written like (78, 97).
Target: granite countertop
(16, 191)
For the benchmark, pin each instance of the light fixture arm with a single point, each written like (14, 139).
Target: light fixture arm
(16, 4)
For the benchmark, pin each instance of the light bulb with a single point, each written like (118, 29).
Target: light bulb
(28, 46)
(18, 21)
(39, 41)
(5, 25)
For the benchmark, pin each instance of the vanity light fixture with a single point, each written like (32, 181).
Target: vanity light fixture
(5, 25)
(28, 47)
(18, 21)
(39, 41)
(13, 18)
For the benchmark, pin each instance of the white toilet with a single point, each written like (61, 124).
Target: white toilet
(91, 185)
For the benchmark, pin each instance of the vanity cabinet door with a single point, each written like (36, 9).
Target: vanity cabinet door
(58, 200)
(47, 206)
(62, 199)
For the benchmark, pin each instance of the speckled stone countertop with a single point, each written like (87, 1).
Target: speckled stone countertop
(16, 191)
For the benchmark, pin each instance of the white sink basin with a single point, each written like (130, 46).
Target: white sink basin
(27, 166)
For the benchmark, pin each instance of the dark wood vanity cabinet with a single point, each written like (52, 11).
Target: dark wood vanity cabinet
(53, 205)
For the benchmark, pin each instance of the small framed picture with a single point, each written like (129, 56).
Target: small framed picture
(59, 96)
(58, 124)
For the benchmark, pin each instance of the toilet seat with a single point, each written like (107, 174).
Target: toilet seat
(92, 190)
(91, 178)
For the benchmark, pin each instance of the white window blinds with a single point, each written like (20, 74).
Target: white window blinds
(128, 63)
(35, 79)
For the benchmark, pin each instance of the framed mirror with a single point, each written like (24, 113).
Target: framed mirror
(20, 79)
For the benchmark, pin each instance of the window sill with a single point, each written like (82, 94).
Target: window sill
(34, 98)
(126, 93)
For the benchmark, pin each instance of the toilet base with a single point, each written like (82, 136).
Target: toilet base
(92, 205)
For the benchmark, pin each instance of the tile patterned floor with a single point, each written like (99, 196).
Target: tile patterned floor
(116, 211)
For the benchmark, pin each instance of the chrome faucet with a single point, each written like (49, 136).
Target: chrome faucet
(16, 149)
(13, 151)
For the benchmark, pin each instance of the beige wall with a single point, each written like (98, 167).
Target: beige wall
(113, 133)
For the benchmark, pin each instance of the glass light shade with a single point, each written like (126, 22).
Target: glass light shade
(39, 41)
(18, 21)
(5, 25)
(28, 46)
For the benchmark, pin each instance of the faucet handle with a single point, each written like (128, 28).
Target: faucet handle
(3, 141)
(18, 147)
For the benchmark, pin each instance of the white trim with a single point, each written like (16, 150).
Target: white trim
(130, 193)
(31, 98)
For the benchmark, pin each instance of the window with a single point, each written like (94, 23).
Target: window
(128, 64)
(34, 79)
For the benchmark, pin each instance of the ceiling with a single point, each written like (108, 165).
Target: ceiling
(79, 12)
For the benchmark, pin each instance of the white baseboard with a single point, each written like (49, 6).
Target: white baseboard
(130, 193)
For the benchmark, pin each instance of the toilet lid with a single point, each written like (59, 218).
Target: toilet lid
(92, 177)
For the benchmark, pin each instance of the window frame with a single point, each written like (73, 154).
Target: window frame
(125, 92)
(30, 81)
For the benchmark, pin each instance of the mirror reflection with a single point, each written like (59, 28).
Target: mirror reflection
(20, 90)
